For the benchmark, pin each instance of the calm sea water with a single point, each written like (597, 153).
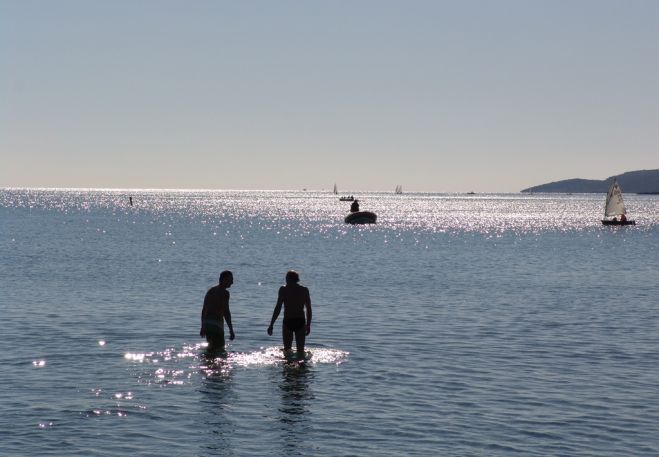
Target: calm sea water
(458, 325)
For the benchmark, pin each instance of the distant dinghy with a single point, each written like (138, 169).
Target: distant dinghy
(615, 207)
(361, 217)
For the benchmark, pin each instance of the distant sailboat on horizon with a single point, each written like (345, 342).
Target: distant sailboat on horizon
(399, 189)
(336, 189)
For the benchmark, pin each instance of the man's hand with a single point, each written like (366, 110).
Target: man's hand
(308, 329)
(270, 330)
(232, 335)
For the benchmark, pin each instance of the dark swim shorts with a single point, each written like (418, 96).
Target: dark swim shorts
(214, 332)
(294, 324)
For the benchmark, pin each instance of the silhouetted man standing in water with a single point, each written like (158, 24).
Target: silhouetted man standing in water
(216, 311)
(295, 299)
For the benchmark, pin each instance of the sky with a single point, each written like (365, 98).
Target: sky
(437, 96)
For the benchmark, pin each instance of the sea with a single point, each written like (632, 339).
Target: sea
(457, 325)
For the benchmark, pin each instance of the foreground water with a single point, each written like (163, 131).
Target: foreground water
(458, 325)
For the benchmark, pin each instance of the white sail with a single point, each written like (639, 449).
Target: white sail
(336, 191)
(614, 204)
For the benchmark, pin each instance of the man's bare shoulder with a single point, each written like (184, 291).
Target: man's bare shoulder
(298, 290)
(217, 293)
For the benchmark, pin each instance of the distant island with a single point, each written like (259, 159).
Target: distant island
(639, 182)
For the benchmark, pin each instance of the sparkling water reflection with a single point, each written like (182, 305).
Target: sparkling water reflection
(302, 213)
(457, 325)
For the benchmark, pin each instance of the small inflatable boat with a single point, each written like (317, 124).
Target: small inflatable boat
(361, 217)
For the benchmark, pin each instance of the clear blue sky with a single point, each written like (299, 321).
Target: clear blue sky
(485, 96)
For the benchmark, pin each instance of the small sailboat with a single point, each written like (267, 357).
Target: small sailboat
(336, 190)
(399, 189)
(615, 207)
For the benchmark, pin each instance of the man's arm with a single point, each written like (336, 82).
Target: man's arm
(227, 317)
(204, 311)
(277, 310)
(307, 305)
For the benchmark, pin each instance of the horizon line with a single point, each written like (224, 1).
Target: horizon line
(179, 189)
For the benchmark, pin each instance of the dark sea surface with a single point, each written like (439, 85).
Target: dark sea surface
(458, 325)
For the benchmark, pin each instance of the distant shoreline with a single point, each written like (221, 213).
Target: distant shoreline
(644, 182)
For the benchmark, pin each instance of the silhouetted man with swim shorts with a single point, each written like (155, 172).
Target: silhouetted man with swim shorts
(295, 299)
(216, 311)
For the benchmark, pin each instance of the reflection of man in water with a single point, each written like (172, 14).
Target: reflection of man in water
(295, 299)
(216, 311)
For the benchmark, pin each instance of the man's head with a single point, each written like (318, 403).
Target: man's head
(226, 278)
(292, 277)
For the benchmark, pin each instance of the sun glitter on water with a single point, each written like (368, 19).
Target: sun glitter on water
(173, 366)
